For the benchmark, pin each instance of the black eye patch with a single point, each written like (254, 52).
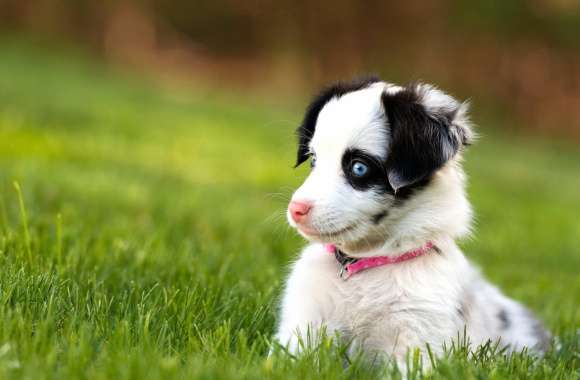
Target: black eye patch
(374, 175)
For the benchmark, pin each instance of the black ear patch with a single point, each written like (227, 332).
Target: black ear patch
(306, 129)
(421, 140)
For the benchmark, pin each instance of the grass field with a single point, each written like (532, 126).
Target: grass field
(141, 231)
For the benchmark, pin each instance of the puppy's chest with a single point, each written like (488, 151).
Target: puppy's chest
(382, 302)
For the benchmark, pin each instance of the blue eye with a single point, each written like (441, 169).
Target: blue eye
(359, 169)
(312, 161)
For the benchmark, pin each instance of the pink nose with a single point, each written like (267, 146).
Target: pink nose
(299, 210)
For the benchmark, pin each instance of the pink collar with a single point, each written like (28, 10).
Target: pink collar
(350, 265)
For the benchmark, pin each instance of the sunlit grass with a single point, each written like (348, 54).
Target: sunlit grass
(150, 241)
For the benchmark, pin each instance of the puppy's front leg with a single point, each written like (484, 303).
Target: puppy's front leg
(306, 304)
(299, 337)
(301, 321)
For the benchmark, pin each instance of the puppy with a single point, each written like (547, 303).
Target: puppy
(382, 207)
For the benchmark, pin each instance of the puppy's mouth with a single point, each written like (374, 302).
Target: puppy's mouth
(317, 233)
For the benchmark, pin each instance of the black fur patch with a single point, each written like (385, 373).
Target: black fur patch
(406, 192)
(504, 319)
(421, 141)
(461, 312)
(542, 335)
(380, 216)
(463, 309)
(306, 129)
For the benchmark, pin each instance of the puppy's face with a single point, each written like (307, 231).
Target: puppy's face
(371, 147)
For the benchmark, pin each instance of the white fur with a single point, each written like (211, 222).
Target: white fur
(394, 308)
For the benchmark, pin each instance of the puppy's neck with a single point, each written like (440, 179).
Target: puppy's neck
(396, 247)
(441, 214)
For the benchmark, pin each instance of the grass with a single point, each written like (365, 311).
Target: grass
(141, 233)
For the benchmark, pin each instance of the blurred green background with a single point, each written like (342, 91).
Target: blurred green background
(518, 59)
(145, 166)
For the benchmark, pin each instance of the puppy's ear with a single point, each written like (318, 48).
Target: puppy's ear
(306, 129)
(427, 128)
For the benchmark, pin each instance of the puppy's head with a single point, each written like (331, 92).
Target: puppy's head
(375, 150)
